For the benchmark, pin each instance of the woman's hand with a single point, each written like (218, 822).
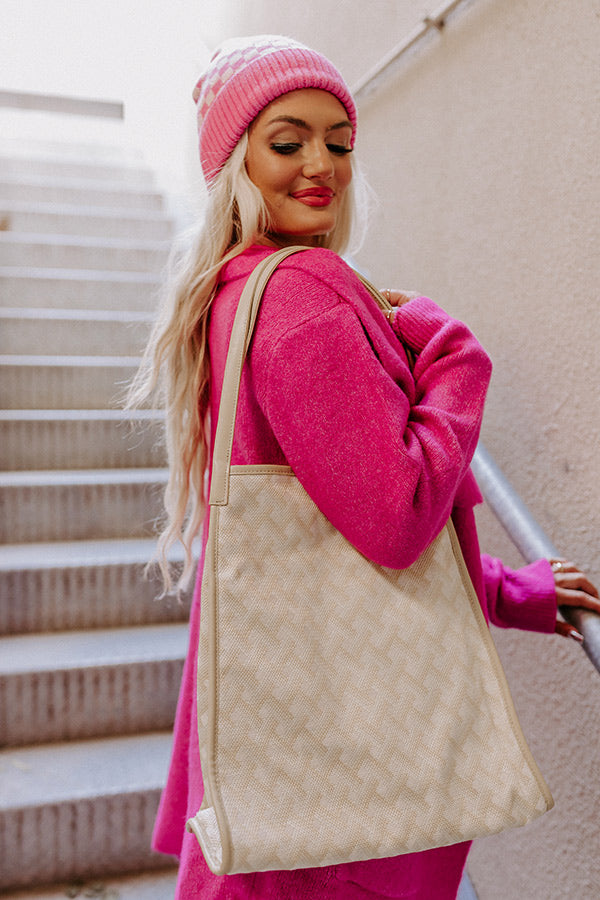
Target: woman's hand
(573, 588)
(397, 298)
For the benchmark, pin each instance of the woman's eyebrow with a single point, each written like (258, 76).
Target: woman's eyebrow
(300, 123)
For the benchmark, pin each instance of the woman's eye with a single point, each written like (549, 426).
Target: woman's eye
(285, 149)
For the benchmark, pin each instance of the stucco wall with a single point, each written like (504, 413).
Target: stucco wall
(483, 151)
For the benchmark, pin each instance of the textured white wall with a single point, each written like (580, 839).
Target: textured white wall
(483, 151)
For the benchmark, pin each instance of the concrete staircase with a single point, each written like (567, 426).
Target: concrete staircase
(90, 661)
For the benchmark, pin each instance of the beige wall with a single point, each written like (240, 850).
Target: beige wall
(483, 151)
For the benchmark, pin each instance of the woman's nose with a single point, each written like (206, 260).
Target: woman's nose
(318, 163)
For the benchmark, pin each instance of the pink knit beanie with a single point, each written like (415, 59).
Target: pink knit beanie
(245, 75)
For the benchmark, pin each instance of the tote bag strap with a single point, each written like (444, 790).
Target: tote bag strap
(241, 335)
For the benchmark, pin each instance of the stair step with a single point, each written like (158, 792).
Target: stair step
(77, 288)
(51, 166)
(88, 654)
(60, 586)
(79, 684)
(72, 252)
(149, 886)
(73, 331)
(81, 439)
(64, 382)
(77, 192)
(79, 505)
(80, 809)
(32, 146)
(56, 218)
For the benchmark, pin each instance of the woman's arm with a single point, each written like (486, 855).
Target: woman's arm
(380, 450)
(528, 598)
(520, 598)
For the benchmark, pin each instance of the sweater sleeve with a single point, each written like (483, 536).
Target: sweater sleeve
(520, 598)
(381, 455)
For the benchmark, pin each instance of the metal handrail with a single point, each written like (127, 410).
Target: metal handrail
(530, 539)
(77, 106)
(435, 21)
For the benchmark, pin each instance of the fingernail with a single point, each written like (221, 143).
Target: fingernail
(577, 636)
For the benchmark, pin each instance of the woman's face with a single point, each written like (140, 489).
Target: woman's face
(299, 158)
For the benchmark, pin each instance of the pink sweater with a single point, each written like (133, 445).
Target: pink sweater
(384, 452)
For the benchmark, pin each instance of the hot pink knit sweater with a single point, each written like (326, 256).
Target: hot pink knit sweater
(384, 452)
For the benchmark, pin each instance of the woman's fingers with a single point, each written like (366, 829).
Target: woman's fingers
(575, 581)
(559, 563)
(562, 566)
(399, 298)
(573, 587)
(577, 597)
(568, 631)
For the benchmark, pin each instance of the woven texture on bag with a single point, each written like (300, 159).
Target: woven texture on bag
(358, 712)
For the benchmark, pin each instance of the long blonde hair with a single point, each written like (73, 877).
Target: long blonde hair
(175, 370)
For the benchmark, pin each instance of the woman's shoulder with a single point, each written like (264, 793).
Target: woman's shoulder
(306, 286)
(321, 265)
(317, 278)
(311, 264)
(241, 265)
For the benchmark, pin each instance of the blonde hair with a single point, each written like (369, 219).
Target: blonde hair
(175, 370)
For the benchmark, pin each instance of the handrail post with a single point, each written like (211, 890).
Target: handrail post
(530, 539)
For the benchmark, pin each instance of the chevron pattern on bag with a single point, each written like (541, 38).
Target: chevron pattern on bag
(346, 711)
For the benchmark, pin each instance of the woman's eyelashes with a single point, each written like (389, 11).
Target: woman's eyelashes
(339, 149)
(287, 149)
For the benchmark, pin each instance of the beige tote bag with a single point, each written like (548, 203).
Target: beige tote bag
(346, 711)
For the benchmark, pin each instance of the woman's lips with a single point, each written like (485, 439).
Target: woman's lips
(314, 196)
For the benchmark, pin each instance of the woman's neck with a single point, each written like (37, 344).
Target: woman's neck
(287, 240)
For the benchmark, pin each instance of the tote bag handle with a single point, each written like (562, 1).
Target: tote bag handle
(241, 335)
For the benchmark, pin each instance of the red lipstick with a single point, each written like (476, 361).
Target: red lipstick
(317, 196)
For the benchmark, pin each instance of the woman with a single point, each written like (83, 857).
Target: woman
(327, 388)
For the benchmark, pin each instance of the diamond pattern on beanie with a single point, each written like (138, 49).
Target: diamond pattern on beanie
(232, 62)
